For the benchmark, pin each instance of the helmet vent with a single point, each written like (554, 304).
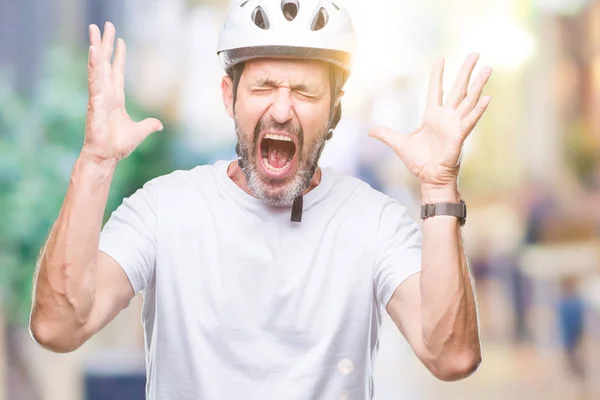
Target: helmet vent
(259, 17)
(337, 8)
(244, 3)
(320, 20)
(290, 9)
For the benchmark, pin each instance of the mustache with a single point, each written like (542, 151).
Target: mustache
(270, 124)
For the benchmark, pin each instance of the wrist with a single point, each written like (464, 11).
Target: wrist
(90, 159)
(431, 194)
(89, 167)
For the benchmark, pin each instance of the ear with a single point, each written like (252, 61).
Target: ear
(227, 92)
(339, 98)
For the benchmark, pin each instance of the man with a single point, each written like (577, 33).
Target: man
(266, 277)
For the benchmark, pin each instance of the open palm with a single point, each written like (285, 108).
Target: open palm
(432, 152)
(110, 133)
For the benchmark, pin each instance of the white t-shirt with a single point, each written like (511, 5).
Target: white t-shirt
(242, 303)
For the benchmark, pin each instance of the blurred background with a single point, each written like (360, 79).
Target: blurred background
(530, 175)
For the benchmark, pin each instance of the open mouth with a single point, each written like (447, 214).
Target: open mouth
(277, 153)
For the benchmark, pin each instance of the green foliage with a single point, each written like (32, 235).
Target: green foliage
(40, 139)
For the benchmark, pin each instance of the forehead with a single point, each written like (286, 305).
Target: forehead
(292, 70)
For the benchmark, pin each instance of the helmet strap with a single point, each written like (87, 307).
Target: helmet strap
(297, 209)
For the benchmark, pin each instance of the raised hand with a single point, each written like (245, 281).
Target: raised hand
(432, 152)
(110, 134)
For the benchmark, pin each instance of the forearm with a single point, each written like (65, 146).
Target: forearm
(64, 283)
(448, 307)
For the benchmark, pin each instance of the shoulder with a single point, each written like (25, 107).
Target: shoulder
(178, 182)
(362, 195)
(373, 207)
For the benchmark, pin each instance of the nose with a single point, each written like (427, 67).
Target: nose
(282, 110)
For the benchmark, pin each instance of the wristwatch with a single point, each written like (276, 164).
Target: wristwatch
(458, 210)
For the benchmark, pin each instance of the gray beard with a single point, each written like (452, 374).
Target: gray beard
(286, 195)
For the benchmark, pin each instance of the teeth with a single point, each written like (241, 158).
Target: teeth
(272, 168)
(277, 137)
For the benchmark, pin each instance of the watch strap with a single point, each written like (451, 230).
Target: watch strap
(458, 210)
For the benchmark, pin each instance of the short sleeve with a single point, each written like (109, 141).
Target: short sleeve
(399, 244)
(129, 237)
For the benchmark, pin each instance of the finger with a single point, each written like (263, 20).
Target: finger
(108, 40)
(475, 115)
(95, 37)
(435, 92)
(95, 66)
(118, 67)
(474, 94)
(459, 90)
(388, 136)
(96, 57)
(146, 127)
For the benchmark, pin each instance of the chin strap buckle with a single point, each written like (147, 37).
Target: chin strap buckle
(297, 209)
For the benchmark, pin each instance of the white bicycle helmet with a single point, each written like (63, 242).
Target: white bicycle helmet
(314, 29)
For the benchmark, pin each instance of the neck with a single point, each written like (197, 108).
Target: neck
(236, 174)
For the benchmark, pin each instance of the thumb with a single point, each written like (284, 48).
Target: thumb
(146, 127)
(387, 136)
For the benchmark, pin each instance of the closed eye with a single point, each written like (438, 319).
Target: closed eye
(307, 95)
(262, 90)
